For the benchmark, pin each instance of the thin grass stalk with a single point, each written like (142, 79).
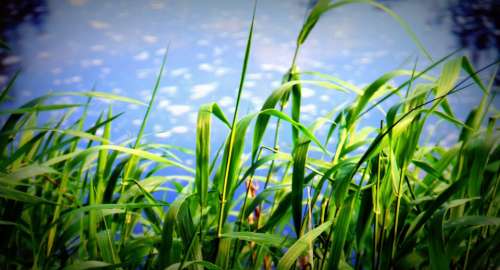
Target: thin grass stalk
(220, 224)
(376, 234)
(400, 184)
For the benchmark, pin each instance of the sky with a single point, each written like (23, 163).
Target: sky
(117, 47)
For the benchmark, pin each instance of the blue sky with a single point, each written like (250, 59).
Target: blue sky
(118, 46)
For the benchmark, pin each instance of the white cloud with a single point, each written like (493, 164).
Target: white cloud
(228, 23)
(99, 132)
(132, 107)
(163, 104)
(307, 92)
(179, 129)
(250, 84)
(220, 71)
(254, 76)
(136, 122)
(217, 61)
(218, 51)
(203, 42)
(144, 73)
(97, 47)
(201, 90)
(73, 79)
(145, 92)
(11, 59)
(178, 72)
(150, 39)
(206, 67)
(324, 98)
(246, 95)
(161, 51)
(117, 90)
(163, 135)
(26, 93)
(105, 70)
(142, 56)
(91, 62)
(98, 24)
(157, 128)
(43, 55)
(309, 108)
(365, 60)
(192, 117)
(56, 70)
(257, 101)
(157, 5)
(116, 37)
(226, 101)
(273, 67)
(77, 2)
(170, 90)
(177, 110)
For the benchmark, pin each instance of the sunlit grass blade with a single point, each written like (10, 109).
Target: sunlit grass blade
(39, 108)
(203, 148)
(101, 95)
(299, 247)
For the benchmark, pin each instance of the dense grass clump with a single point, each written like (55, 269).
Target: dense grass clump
(382, 199)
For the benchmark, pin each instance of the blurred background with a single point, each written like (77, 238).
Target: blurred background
(117, 47)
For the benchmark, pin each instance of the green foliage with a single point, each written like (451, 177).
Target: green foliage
(374, 198)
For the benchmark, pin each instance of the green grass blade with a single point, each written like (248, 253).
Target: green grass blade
(168, 232)
(299, 163)
(204, 264)
(101, 95)
(16, 195)
(126, 150)
(340, 233)
(438, 257)
(296, 101)
(40, 108)
(300, 246)
(88, 265)
(203, 126)
(264, 239)
(5, 91)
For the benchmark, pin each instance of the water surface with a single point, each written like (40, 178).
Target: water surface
(117, 47)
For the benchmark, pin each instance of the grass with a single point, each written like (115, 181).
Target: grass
(73, 199)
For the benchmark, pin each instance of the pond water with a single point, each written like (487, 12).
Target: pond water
(117, 47)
